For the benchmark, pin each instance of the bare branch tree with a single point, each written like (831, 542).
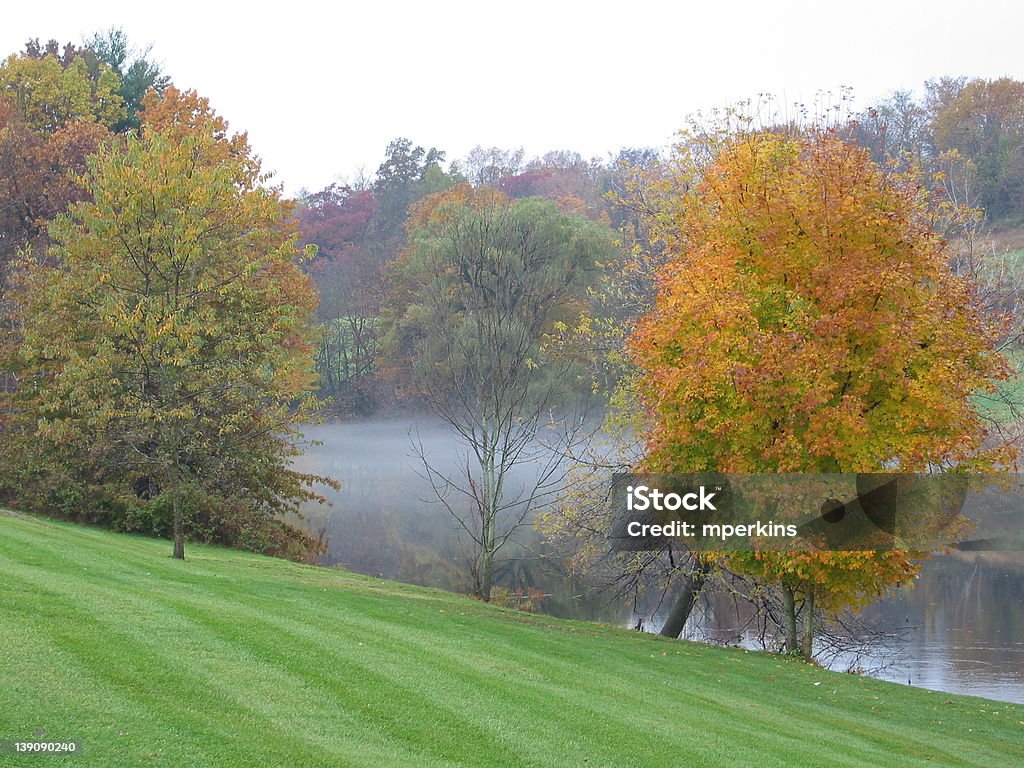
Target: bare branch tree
(489, 284)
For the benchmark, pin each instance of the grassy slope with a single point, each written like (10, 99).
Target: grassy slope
(231, 659)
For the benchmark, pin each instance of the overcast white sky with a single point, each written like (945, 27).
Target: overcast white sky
(322, 88)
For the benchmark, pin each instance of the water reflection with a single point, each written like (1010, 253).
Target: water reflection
(969, 610)
(963, 620)
(959, 628)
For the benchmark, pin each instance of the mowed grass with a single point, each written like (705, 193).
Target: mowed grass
(232, 659)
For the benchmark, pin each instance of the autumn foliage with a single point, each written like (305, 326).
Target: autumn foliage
(165, 343)
(807, 321)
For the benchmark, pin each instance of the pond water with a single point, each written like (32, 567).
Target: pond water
(961, 627)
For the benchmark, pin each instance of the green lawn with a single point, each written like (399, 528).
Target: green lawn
(232, 659)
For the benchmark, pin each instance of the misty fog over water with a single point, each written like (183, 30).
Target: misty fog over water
(963, 622)
(386, 521)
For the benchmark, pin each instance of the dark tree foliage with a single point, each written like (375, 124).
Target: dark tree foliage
(965, 137)
(137, 71)
(336, 218)
(358, 232)
(349, 277)
(983, 121)
(56, 107)
(408, 173)
(38, 178)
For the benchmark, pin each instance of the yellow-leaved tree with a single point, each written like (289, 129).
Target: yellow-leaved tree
(169, 351)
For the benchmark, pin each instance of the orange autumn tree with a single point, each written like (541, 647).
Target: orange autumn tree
(807, 321)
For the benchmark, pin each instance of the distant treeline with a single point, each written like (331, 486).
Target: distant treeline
(964, 136)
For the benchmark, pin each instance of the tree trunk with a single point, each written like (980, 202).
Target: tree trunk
(789, 606)
(487, 578)
(808, 639)
(489, 523)
(179, 525)
(683, 606)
